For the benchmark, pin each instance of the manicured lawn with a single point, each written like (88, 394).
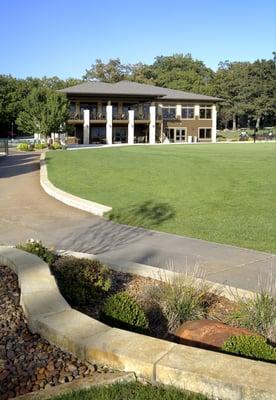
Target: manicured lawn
(130, 391)
(224, 193)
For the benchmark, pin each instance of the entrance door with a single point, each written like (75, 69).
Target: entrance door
(176, 135)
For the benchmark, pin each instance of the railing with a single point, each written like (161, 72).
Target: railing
(4, 147)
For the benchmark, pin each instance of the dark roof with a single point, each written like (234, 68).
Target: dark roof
(129, 88)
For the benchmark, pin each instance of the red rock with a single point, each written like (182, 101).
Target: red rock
(207, 333)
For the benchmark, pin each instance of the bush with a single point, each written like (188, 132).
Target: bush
(40, 146)
(180, 299)
(25, 147)
(36, 247)
(250, 346)
(257, 314)
(122, 311)
(81, 281)
(56, 146)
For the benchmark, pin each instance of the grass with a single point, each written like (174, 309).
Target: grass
(130, 391)
(223, 193)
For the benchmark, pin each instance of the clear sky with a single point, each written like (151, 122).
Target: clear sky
(64, 37)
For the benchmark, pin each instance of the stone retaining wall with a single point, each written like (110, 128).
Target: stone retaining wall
(214, 374)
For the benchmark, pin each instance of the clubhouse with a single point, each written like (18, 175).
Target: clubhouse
(129, 112)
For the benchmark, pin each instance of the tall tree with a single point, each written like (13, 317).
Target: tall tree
(111, 72)
(44, 111)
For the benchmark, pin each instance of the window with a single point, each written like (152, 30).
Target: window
(169, 112)
(92, 107)
(205, 133)
(205, 112)
(187, 112)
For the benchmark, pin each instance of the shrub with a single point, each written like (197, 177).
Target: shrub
(81, 281)
(122, 311)
(25, 147)
(182, 298)
(40, 146)
(258, 313)
(56, 146)
(250, 346)
(36, 247)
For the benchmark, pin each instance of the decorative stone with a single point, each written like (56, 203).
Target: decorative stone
(208, 334)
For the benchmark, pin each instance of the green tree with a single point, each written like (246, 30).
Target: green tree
(111, 72)
(44, 111)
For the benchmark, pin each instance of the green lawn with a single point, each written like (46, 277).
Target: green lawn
(130, 391)
(224, 193)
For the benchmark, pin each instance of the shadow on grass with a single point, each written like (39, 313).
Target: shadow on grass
(147, 214)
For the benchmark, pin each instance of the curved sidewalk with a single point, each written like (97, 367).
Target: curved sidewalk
(26, 211)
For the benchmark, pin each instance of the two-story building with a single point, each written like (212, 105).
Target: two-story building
(129, 112)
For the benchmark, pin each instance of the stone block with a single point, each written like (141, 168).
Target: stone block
(30, 283)
(127, 351)
(69, 329)
(217, 375)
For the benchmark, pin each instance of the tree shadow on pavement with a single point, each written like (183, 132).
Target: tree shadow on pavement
(19, 164)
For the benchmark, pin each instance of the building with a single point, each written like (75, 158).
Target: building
(129, 112)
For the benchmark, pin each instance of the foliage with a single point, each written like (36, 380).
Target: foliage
(250, 346)
(131, 391)
(181, 298)
(121, 310)
(258, 313)
(37, 248)
(112, 72)
(40, 146)
(25, 147)
(81, 281)
(56, 146)
(44, 111)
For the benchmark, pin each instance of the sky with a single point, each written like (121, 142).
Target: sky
(64, 37)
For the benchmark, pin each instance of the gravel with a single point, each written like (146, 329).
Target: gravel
(28, 362)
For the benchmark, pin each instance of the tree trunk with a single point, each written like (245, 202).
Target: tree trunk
(258, 123)
(234, 122)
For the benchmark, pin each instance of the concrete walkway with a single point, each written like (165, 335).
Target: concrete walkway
(26, 211)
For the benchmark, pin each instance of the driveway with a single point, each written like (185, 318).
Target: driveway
(26, 211)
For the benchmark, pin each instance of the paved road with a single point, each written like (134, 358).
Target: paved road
(26, 211)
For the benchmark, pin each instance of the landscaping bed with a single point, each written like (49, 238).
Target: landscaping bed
(185, 309)
(27, 362)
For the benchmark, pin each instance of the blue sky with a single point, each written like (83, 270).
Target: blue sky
(64, 37)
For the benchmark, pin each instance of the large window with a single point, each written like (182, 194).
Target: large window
(92, 107)
(169, 112)
(205, 111)
(188, 112)
(204, 133)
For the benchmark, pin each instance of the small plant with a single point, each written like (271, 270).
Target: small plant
(181, 298)
(259, 312)
(81, 281)
(56, 146)
(40, 146)
(250, 346)
(36, 247)
(122, 311)
(25, 147)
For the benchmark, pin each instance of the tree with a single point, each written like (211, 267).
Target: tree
(113, 71)
(44, 111)
(178, 71)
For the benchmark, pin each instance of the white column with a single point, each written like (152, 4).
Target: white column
(197, 110)
(86, 126)
(152, 125)
(214, 123)
(109, 124)
(130, 137)
(178, 111)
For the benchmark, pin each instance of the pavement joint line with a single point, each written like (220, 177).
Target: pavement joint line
(233, 268)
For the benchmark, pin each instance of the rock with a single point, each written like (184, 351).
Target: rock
(208, 334)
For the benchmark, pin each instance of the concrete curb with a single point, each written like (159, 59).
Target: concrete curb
(159, 274)
(67, 198)
(213, 374)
